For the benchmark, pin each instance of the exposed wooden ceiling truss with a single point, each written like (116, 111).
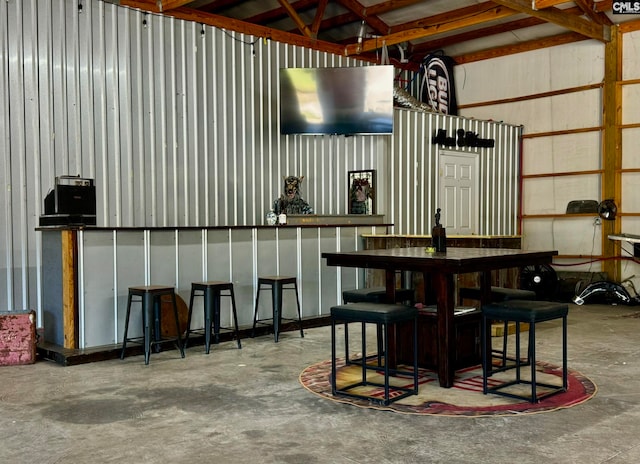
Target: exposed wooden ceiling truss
(410, 29)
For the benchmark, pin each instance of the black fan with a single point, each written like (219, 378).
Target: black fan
(540, 278)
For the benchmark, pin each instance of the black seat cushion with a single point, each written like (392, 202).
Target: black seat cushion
(498, 293)
(373, 312)
(375, 295)
(525, 310)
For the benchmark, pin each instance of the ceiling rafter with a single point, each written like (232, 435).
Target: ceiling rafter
(510, 26)
(296, 18)
(556, 16)
(428, 30)
(315, 26)
(418, 26)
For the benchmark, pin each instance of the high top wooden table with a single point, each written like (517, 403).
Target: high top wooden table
(440, 269)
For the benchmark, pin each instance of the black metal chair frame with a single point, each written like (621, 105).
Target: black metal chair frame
(510, 311)
(211, 291)
(150, 299)
(357, 312)
(277, 284)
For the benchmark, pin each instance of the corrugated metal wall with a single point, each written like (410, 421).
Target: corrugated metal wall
(177, 123)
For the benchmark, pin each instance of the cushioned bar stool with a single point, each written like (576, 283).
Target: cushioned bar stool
(380, 314)
(150, 298)
(212, 292)
(277, 284)
(499, 294)
(530, 312)
(373, 295)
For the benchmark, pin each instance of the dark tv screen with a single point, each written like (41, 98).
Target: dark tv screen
(357, 100)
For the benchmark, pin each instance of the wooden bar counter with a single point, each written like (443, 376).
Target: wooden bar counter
(87, 272)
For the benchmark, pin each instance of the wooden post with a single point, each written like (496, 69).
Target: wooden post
(69, 288)
(612, 149)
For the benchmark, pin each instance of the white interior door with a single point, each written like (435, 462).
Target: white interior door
(458, 192)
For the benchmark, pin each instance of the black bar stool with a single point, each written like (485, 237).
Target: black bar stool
(373, 295)
(382, 315)
(499, 294)
(522, 311)
(277, 284)
(150, 296)
(211, 291)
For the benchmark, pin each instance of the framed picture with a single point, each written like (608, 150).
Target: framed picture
(362, 192)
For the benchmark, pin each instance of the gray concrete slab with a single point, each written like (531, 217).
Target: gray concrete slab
(238, 406)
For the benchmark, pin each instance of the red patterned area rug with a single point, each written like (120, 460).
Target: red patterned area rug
(464, 399)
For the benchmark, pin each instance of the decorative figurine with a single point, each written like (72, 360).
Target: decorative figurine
(439, 235)
(290, 202)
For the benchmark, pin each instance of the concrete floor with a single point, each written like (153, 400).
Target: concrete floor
(247, 406)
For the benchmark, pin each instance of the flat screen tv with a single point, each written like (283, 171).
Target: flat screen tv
(346, 101)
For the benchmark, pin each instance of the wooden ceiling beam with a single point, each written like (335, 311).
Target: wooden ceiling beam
(372, 20)
(541, 4)
(296, 18)
(587, 8)
(224, 22)
(561, 39)
(315, 26)
(443, 42)
(496, 12)
(554, 15)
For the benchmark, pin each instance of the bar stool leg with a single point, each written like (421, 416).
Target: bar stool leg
(147, 316)
(126, 327)
(295, 287)
(208, 318)
(186, 337)
(175, 313)
(214, 296)
(276, 298)
(235, 316)
(255, 311)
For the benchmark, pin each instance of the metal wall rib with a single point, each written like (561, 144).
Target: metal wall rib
(178, 124)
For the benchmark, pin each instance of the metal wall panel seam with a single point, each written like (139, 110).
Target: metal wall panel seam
(229, 245)
(161, 90)
(81, 291)
(76, 106)
(215, 150)
(122, 112)
(138, 181)
(338, 268)
(224, 141)
(176, 251)
(186, 63)
(172, 96)
(247, 190)
(114, 236)
(204, 240)
(320, 266)
(112, 86)
(151, 215)
(147, 256)
(299, 278)
(254, 265)
(102, 110)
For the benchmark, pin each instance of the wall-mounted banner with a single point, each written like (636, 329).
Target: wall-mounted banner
(626, 7)
(463, 139)
(437, 88)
